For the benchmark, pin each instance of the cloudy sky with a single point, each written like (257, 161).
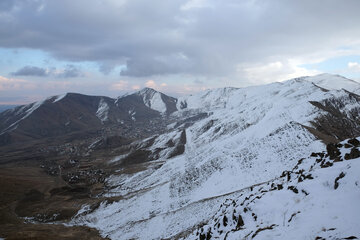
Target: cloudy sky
(109, 47)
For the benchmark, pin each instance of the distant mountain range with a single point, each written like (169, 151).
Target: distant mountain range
(73, 112)
(227, 163)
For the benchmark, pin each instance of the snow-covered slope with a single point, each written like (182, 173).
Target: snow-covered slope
(157, 100)
(250, 136)
(218, 98)
(210, 99)
(317, 199)
(332, 82)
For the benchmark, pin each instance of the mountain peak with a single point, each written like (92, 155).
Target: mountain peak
(157, 101)
(147, 90)
(334, 82)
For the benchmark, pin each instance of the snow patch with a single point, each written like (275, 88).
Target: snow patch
(103, 111)
(26, 110)
(153, 99)
(59, 97)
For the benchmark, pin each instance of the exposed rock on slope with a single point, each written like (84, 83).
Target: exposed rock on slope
(317, 199)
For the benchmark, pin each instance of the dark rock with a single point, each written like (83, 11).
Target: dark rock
(332, 150)
(354, 142)
(225, 220)
(351, 237)
(240, 222)
(288, 176)
(170, 143)
(313, 154)
(336, 124)
(354, 153)
(346, 145)
(336, 184)
(262, 229)
(293, 215)
(305, 192)
(294, 189)
(326, 164)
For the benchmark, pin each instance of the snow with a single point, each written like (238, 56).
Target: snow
(33, 107)
(59, 97)
(26, 111)
(153, 99)
(118, 158)
(317, 209)
(157, 103)
(216, 98)
(251, 135)
(103, 110)
(219, 98)
(132, 114)
(334, 82)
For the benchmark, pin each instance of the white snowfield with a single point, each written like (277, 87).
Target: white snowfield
(251, 136)
(333, 82)
(314, 201)
(153, 100)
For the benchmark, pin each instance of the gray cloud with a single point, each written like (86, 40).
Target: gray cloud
(169, 37)
(70, 71)
(6, 5)
(31, 71)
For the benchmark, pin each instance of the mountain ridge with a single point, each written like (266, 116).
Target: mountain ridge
(133, 172)
(248, 136)
(73, 112)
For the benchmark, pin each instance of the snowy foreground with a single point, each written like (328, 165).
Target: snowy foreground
(318, 199)
(250, 137)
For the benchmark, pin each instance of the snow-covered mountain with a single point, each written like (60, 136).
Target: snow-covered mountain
(158, 101)
(228, 163)
(222, 142)
(333, 82)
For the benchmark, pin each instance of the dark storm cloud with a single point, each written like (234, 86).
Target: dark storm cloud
(30, 71)
(169, 37)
